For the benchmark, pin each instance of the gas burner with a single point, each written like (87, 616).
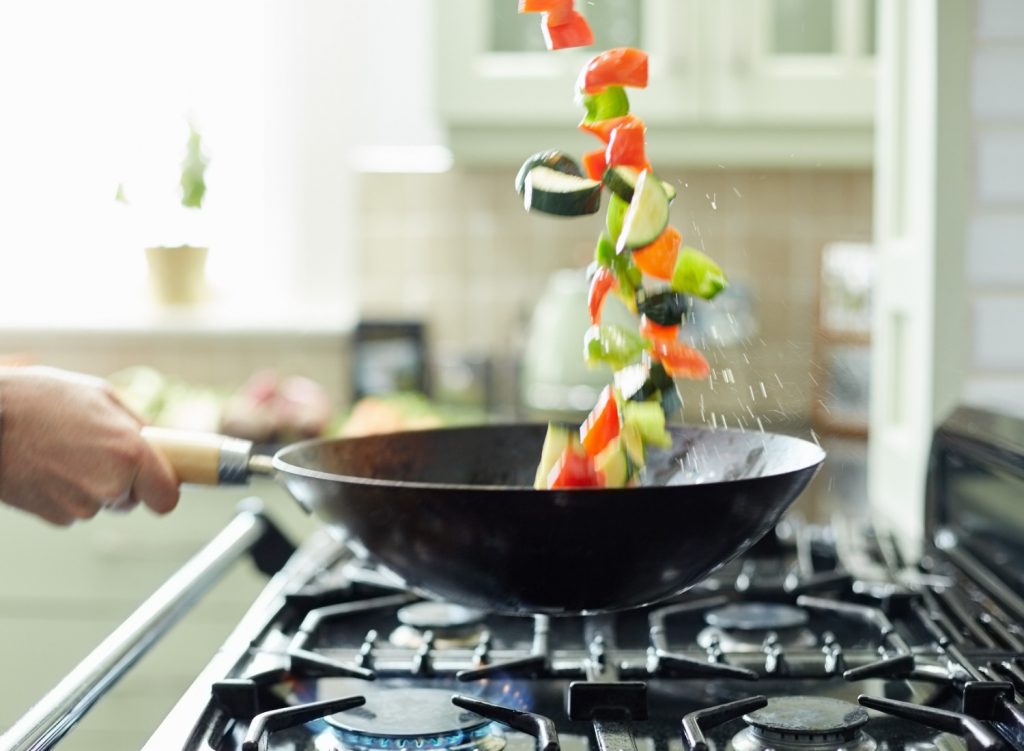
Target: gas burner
(744, 627)
(452, 626)
(805, 723)
(413, 718)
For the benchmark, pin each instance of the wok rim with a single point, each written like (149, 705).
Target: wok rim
(293, 470)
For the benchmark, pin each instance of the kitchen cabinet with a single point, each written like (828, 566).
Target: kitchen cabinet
(738, 82)
(67, 590)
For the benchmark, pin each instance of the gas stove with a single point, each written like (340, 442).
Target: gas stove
(820, 637)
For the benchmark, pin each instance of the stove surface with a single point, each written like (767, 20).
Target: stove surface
(787, 648)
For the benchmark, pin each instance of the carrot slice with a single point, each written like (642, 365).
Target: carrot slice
(659, 258)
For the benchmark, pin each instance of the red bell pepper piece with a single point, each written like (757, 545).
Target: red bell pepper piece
(594, 164)
(574, 469)
(656, 332)
(626, 145)
(603, 128)
(622, 66)
(545, 6)
(600, 285)
(659, 258)
(679, 360)
(562, 31)
(601, 425)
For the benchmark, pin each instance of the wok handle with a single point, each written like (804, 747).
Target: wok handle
(206, 458)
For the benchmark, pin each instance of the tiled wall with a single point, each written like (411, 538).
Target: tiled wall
(458, 251)
(996, 229)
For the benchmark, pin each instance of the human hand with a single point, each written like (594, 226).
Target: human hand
(69, 447)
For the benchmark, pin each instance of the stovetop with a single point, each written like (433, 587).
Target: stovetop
(819, 638)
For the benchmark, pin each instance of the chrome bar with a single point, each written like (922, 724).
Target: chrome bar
(58, 711)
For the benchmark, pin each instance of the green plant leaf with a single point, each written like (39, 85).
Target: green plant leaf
(193, 171)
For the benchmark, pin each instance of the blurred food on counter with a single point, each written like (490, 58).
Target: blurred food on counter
(390, 413)
(271, 408)
(268, 408)
(165, 400)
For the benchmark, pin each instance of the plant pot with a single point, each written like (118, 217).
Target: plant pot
(177, 274)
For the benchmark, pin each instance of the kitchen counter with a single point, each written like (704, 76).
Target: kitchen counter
(218, 348)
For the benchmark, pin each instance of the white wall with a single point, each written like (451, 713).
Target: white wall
(995, 251)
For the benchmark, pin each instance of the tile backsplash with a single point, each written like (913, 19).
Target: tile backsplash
(457, 251)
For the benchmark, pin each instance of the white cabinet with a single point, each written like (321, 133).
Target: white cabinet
(743, 82)
(806, 62)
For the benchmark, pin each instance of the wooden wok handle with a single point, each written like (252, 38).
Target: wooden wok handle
(205, 458)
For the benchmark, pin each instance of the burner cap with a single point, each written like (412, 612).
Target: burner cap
(756, 616)
(439, 616)
(805, 723)
(810, 715)
(409, 718)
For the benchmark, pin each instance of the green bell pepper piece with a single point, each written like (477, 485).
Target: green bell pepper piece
(612, 102)
(696, 274)
(612, 344)
(627, 276)
(615, 216)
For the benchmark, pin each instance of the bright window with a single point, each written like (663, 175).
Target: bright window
(99, 93)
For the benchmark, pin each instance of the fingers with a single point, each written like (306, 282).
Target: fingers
(156, 485)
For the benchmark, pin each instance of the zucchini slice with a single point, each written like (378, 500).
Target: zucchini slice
(640, 381)
(554, 192)
(665, 307)
(556, 160)
(647, 216)
(556, 440)
(621, 181)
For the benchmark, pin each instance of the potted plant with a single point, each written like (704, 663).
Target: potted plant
(178, 272)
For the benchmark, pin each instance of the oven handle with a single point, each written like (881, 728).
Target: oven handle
(58, 711)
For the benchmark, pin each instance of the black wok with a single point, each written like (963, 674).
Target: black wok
(452, 511)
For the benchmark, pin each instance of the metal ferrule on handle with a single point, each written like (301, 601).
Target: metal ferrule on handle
(233, 463)
(57, 712)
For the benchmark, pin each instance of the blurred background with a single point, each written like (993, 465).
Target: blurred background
(368, 265)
